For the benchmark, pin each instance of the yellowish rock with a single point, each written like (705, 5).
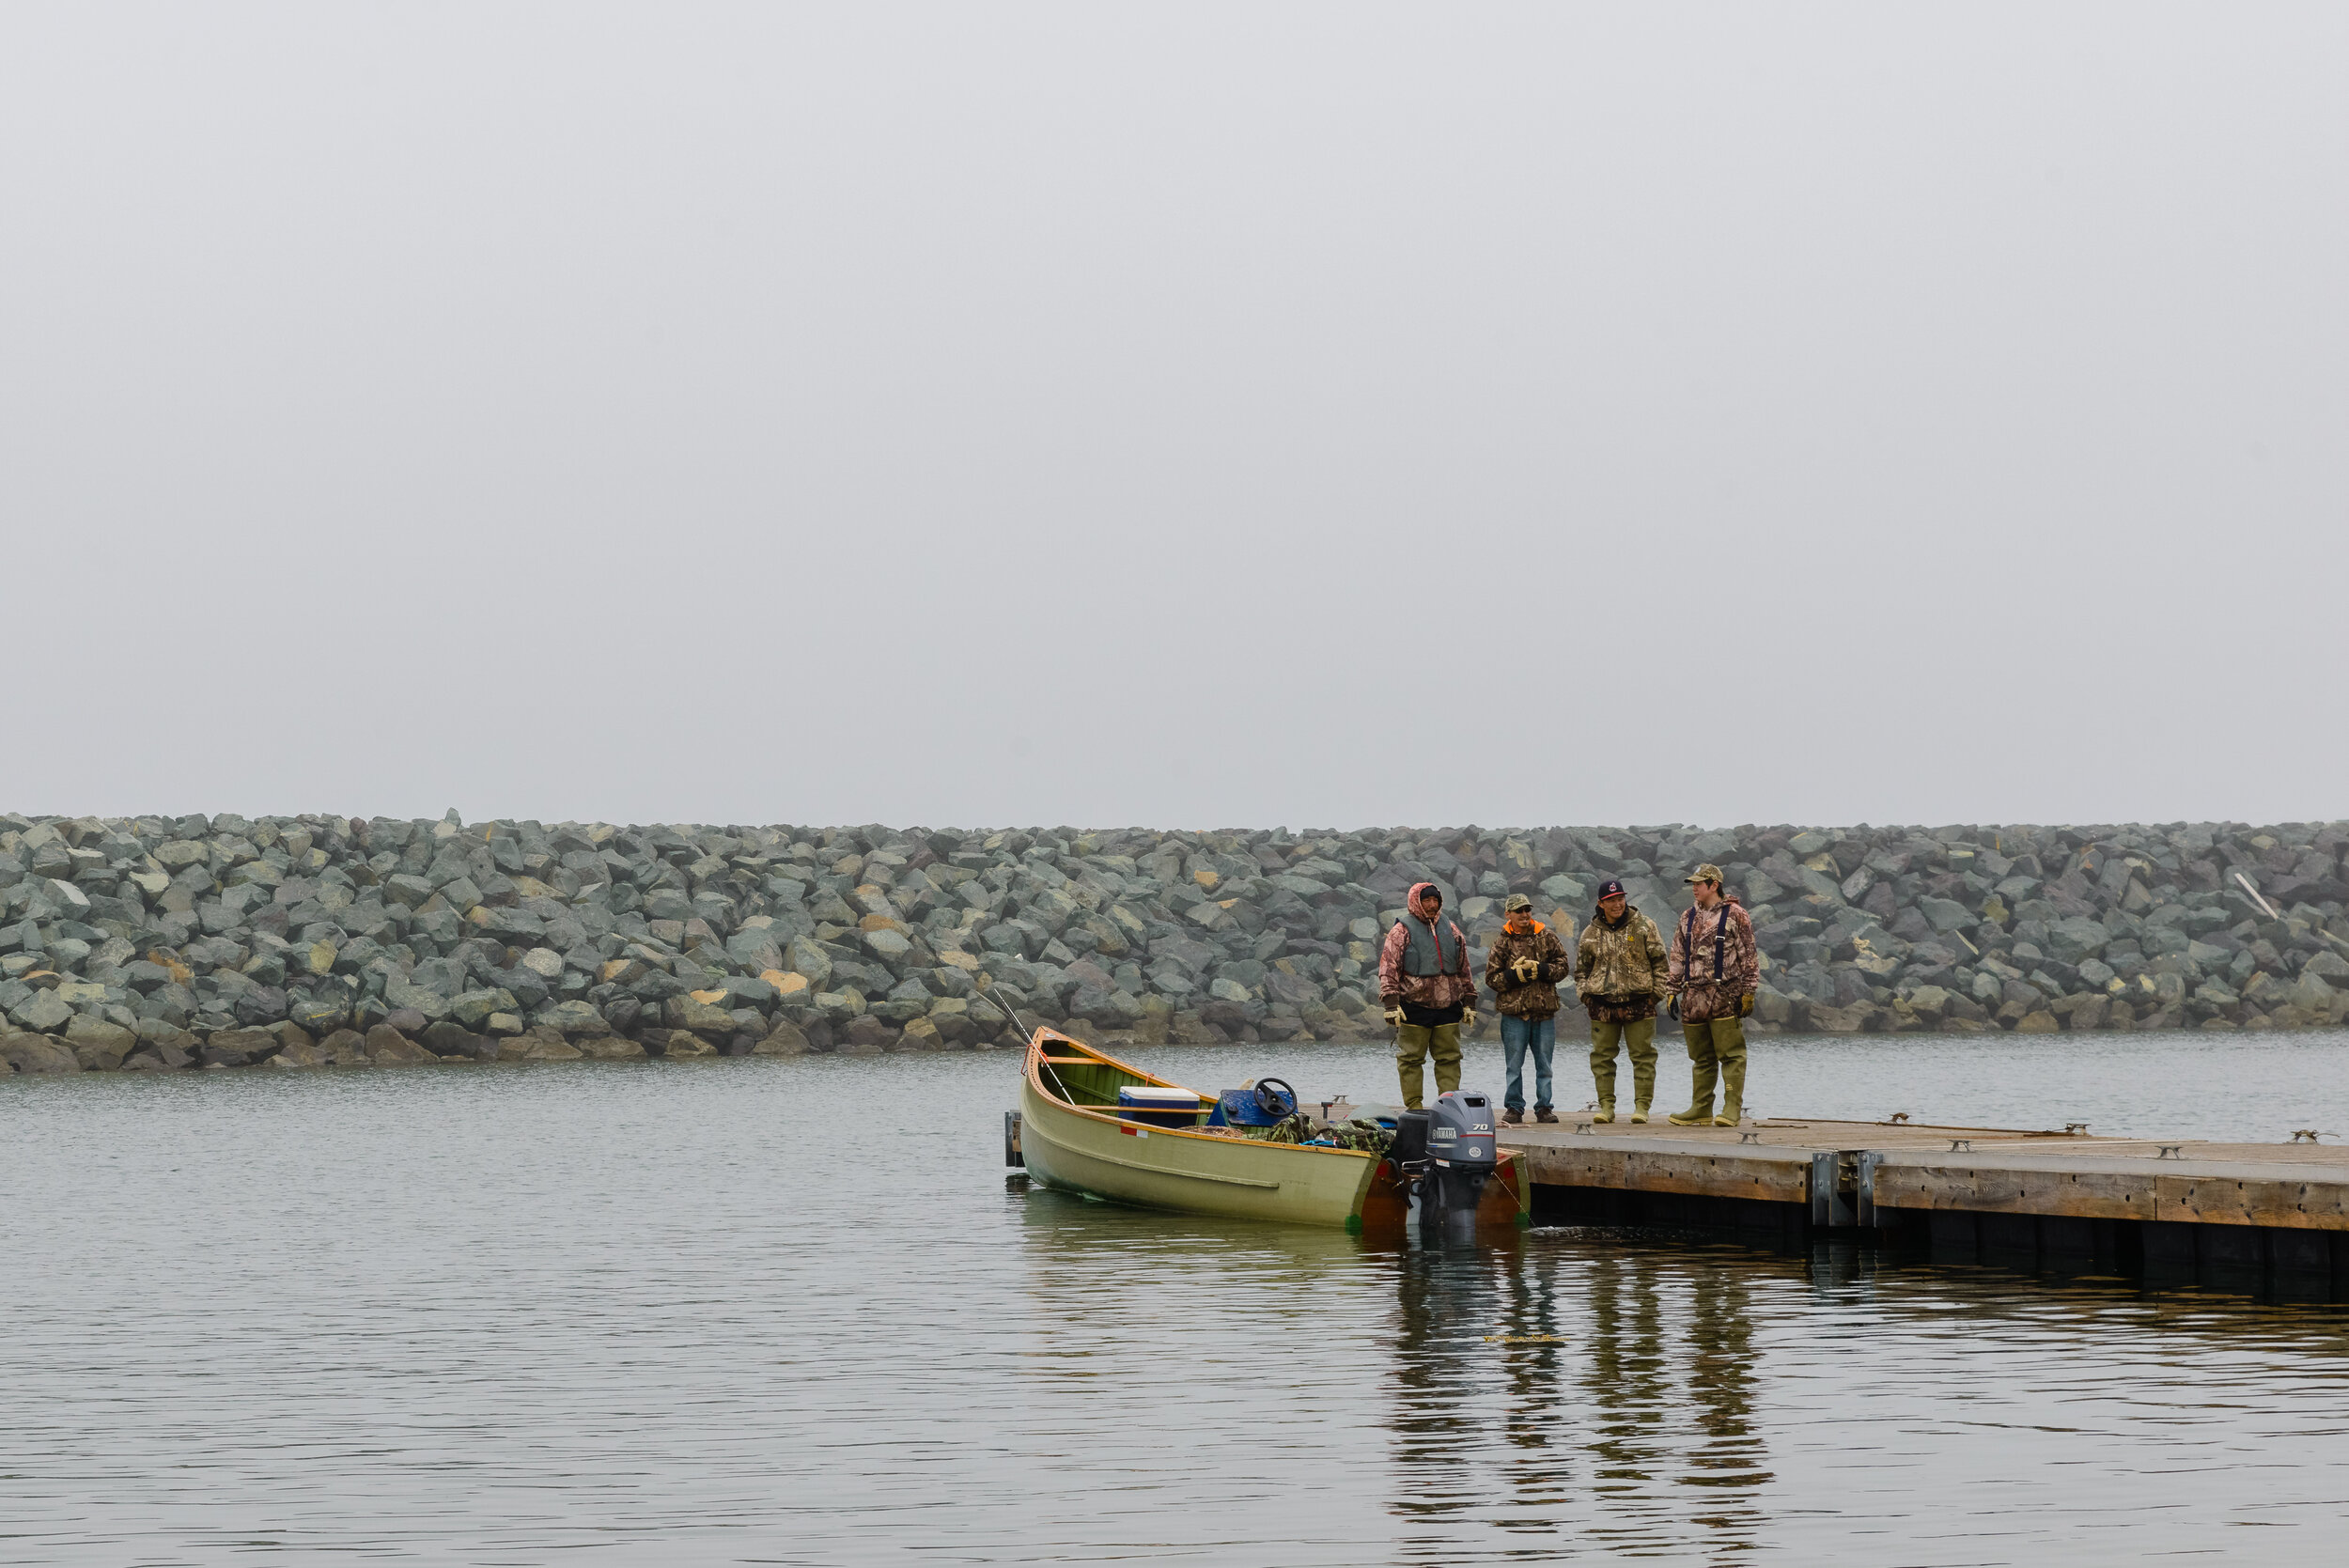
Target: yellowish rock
(612, 1048)
(321, 958)
(707, 998)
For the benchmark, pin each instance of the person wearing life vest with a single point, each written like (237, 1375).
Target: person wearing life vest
(1715, 969)
(1623, 969)
(1430, 996)
(1526, 963)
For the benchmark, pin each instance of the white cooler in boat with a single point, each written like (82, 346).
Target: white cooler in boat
(1159, 1107)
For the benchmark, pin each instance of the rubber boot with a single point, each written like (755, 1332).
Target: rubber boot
(1639, 1040)
(1411, 1051)
(1639, 1113)
(1700, 1109)
(1733, 1093)
(1443, 1050)
(1605, 1112)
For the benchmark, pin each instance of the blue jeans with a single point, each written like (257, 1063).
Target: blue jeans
(1516, 1034)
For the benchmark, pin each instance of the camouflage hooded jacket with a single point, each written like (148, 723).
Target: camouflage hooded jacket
(1714, 960)
(1446, 982)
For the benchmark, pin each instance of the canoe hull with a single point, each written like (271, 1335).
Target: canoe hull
(1191, 1173)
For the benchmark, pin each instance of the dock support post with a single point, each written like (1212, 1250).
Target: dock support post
(1834, 1180)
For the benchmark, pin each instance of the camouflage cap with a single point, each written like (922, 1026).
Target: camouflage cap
(1708, 872)
(1517, 901)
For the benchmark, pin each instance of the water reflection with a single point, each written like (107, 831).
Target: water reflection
(646, 1317)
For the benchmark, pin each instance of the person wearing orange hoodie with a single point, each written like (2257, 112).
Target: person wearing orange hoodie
(1428, 993)
(1526, 963)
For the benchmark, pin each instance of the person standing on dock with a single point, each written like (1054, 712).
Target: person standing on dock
(1430, 995)
(1715, 968)
(1624, 970)
(1526, 963)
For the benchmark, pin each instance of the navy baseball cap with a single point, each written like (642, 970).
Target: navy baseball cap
(1609, 888)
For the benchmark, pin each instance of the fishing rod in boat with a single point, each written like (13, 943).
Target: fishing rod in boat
(1004, 1008)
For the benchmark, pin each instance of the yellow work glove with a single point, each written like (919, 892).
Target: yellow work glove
(1468, 1017)
(1394, 1016)
(1745, 1005)
(1526, 968)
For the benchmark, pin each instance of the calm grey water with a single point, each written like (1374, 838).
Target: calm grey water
(792, 1312)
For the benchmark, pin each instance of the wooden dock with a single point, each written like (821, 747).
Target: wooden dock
(2266, 1216)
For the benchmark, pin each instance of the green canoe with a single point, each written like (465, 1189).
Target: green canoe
(1071, 1137)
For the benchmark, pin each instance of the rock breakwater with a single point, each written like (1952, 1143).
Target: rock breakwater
(165, 944)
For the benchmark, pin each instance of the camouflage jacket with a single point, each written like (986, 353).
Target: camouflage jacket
(1626, 969)
(1536, 998)
(1452, 985)
(1714, 960)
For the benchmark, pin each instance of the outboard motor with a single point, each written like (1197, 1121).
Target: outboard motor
(1461, 1157)
(1410, 1151)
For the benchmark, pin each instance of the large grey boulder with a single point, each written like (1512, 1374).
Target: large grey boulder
(43, 1013)
(388, 1047)
(609, 1048)
(573, 1018)
(322, 1013)
(97, 1045)
(239, 1048)
(38, 1053)
(704, 1019)
(807, 956)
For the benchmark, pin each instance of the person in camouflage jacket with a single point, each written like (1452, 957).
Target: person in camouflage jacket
(1715, 969)
(1526, 963)
(1428, 991)
(1625, 972)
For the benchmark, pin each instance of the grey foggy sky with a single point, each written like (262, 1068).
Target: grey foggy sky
(1177, 415)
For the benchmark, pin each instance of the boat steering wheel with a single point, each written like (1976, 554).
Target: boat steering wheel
(1274, 1097)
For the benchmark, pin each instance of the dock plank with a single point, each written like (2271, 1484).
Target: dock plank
(1775, 1176)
